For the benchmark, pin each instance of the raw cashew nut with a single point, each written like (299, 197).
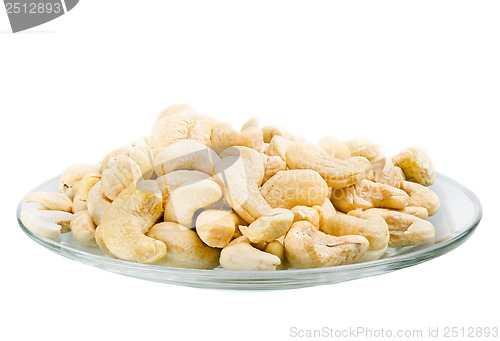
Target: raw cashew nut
(186, 154)
(326, 210)
(372, 227)
(365, 148)
(223, 134)
(46, 223)
(216, 228)
(240, 174)
(122, 172)
(184, 248)
(83, 228)
(171, 181)
(97, 203)
(405, 229)
(188, 198)
(384, 172)
(306, 213)
(272, 165)
(239, 255)
(306, 247)
(417, 211)
(336, 172)
(416, 165)
(269, 132)
(421, 196)
(367, 194)
(291, 188)
(279, 146)
(173, 124)
(81, 191)
(51, 200)
(276, 248)
(268, 227)
(335, 147)
(253, 122)
(121, 231)
(73, 174)
(139, 152)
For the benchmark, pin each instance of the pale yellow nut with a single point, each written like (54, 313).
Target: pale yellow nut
(201, 131)
(139, 151)
(51, 200)
(279, 146)
(384, 172)
(268, 227)
(81, 191)
(184, 248)
(216, 228)
(188, 198)
(372, 227)
(365, 148)
(46, 223)
(405, 229)
(421, 196)
(306, 213)
(276, 248)
(417, 211)
(253, 122)
(187, 155)
(97, 203)
(367, 194)
(171, 181)
(326, 210)
(269, 132)
(272, 165)
(122, 229)
(83, 229)
(306, 247)
(73, 174)
(240, 174)
(173, 124)
(239, 255)
(291, 188)
(122, 172)
(334, 147)
(223, 134)
(416, 164)
(336, 172)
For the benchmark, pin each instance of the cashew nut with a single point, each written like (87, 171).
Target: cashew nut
(306, 213)
(272, 165)
(223, 134)
(306, 247)
(268, 227)
(416, 164)
(421, 196)
(97, 203)
(184, 248)
(405, 229)
(291, 188)
(122, 171)
(367, 194)
(336, 172)
(173, 124)
(121, 231)
(363, 147)
(384, 172)
(81, 191)
(73, 174)
(276, 248)
(51, 200)
(216, 228)
(253, 122)
(269, 132)
(239, 255)
(279, 146)
(188, 198)
(188, 155)
(335, 147)
(326, 210)
(46, 223)
(170, 181)
(83, 228)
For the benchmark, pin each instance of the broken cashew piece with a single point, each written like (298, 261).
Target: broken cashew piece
(83, 229)
(336, 172)
(268, 227)
(121, 231)
(326, 210)
(421, 196)
(97, 203)
(73, 174)
(278, 147)
(51, 200)
(240, 255)
(272, 165)
(306, 213)
(216, 228)
(46, 223)
(416, 165)
(291, 188)
(188, 198)
(122, 171)
(306, 247)
(81, 191)
(184, 248)
(367, 194)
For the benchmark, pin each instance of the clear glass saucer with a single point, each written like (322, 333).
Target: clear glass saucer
(455, 222)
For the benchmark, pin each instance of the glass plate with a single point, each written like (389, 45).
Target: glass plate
(455, 221)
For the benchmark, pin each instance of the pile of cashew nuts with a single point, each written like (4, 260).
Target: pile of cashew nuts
(198, 193)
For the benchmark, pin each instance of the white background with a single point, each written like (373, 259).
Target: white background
(401, 73)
